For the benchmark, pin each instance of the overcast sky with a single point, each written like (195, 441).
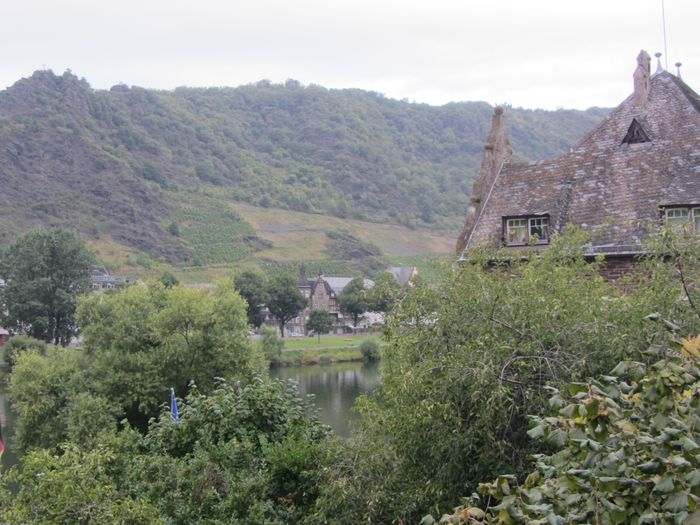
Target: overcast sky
(529, 53)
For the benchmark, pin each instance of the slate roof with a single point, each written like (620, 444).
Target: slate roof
(402, 274)
(335, 283)
(603, 181)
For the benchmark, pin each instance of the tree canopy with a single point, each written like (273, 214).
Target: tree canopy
(626, 451)
(45, 271)
(320, 321)
(353, 300)
(138, 343)
(253, 287)
(285, 301)
(384, 294)
(507, 369)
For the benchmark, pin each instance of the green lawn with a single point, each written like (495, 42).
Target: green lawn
(331, 349)
(327, 341)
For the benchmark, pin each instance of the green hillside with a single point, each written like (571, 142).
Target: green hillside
(158, 174)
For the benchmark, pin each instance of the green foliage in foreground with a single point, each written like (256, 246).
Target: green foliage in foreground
(138, 343)
(467, 362)
(243, 454)
(470, 359)
(73, 487)
(627, 452)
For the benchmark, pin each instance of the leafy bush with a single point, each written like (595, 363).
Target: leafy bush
(68, 488)
(627, 452)
(271, 343)
(370, 350)
(242, 454)
(20, 343)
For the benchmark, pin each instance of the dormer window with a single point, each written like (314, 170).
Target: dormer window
(683, 218)
(635, 134)
(520, 231)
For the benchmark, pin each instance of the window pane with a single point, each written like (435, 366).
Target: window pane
(538, 227)
(677, 219)
(696, 217)
(516, 233)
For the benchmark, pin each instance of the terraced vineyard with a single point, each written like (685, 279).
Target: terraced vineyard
(217, 233)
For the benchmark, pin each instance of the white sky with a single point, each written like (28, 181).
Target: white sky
(530, 53)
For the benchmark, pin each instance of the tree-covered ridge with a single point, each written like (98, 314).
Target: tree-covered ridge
(116, 162)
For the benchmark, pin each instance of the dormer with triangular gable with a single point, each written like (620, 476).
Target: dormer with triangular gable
(620, 179)
(636, 134)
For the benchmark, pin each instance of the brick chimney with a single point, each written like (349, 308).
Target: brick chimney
(496, 153)
(641, 78)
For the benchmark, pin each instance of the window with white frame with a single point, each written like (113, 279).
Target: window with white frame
(683, 219)
(523, 230)
(516, 231)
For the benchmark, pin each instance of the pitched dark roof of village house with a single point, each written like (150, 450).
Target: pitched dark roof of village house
(615, 181)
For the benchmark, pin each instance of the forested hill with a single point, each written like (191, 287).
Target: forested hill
(133, 163)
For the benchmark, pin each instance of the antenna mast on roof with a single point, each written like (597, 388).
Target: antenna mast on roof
(663, 20)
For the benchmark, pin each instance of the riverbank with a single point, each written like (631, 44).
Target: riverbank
(330, 349)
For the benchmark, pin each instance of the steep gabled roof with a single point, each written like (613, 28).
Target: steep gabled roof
(402, 274)
(606, 182)
(336, 284)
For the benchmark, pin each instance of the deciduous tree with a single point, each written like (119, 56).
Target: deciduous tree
(137, 344)
(353, 300)
(285, 301)
(45, 271)
(471, 357)
(385, 292)
(320, 321)
(253, 287)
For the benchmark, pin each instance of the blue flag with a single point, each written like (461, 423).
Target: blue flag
(174, 415)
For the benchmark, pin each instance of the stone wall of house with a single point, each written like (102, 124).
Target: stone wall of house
(613, 268)
(320, 298)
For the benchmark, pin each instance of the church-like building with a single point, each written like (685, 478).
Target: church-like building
(638, 168)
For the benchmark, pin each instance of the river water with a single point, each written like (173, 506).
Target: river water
(334, 387)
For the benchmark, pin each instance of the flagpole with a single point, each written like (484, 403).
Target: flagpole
(174, 413)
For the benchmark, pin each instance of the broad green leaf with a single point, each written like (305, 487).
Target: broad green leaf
(536, 432)
(693, 478)
(676, 502)
(664, 484)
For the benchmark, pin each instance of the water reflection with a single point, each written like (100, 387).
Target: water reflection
(335, 388)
